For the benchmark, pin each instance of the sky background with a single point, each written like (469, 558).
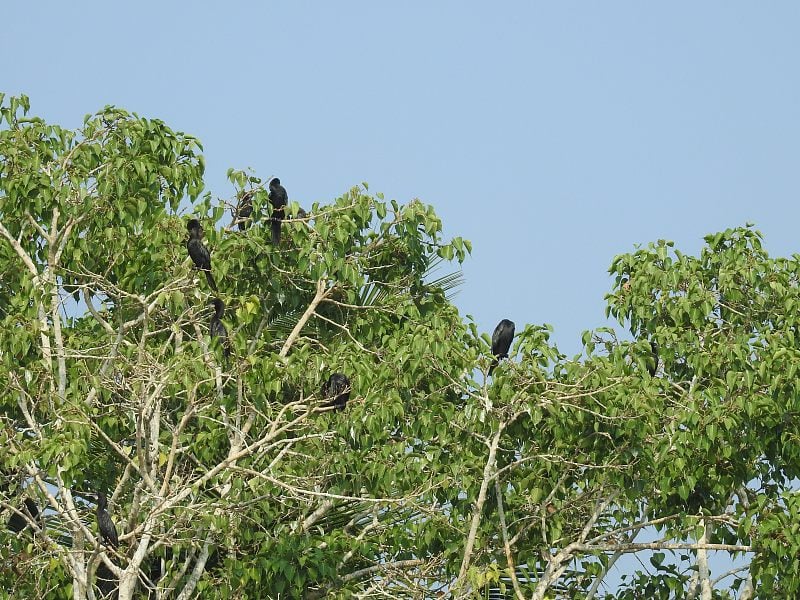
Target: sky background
(553, 136)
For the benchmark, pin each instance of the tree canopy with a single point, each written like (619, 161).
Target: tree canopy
(227, 473)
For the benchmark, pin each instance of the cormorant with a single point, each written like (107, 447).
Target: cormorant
(652, 364)
(501, 341)
(108, 532)
(337, 390)
(217, 328)
(18, 522)
(278, 198)
(244, 210)
(198, 252)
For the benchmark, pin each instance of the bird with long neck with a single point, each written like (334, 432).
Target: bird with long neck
(198, 252)
(278, 198)
(108, 531)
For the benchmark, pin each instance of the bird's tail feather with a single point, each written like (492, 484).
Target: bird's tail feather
(210, 279)
(276, 231)
(496, 361)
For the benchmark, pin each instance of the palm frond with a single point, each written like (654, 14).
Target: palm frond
(373, 294)
(448, 283)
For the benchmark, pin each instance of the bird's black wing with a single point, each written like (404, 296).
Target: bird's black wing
(501, 341)
(108, 530)
(218, 330)
(201, 258)
(199, 254)
(496, 337)
(337, 390)
(502, 337)
(652, 366)
(278, 199)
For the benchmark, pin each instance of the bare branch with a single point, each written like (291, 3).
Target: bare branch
(504, 531)
(322, 292)
(488, 471)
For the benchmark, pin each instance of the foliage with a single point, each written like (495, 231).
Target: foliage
(229, 478)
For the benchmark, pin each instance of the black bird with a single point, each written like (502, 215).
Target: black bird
(652, 364)
(18, 522)
(108, 532)
(278, 198)
(199, 253)
(501, 341)
(244, 210)
(217, 328)
(337, 390)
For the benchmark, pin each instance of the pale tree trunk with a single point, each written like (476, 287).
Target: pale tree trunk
(694, 585)
(197, 572)
(747, 589)
(702, 563)
(611, 562)
(559, 563)
(555, 569)
(512, 568)
(488, 472)
(127, 585)
(130, 577)
(78, 568)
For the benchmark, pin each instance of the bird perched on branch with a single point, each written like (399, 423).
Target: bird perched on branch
(217, 328)
(278, 198)
(108, 532)
(21, 516)
(198, 252)
(337, 391)
(30, 512)
(652, 364)
(501, 341)
(244, 209)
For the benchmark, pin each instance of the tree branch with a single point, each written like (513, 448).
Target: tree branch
(504, 530)
(488, 470)
(322, 291)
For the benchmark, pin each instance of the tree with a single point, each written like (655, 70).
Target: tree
(230, 478)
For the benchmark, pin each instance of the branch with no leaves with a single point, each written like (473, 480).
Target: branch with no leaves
(623, 547)
(504, 530)
(558, 563)
(322, 292)
(488, 471)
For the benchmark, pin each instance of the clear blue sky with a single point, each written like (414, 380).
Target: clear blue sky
(554, 136)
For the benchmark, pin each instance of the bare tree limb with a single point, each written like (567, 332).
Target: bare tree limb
(703, 573)
(504, 530)
(322, 292)
(488, 470)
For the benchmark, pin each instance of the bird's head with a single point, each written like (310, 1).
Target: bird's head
(275, 182)
(219, 306)
(193, 225)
